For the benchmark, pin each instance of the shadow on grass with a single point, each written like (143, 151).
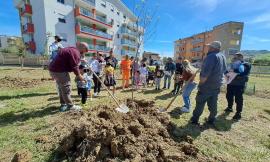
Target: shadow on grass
(164, 96)
(176, 113)
(180, 133)
(222, 124)
(24, 96)
(151, 91)
(267, 111)
(12, 117)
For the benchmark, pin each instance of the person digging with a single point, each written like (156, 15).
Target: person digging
(67, 60)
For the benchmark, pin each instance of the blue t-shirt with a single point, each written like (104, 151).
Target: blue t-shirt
(213, 68)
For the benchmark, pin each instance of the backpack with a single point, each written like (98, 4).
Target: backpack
(247, 70)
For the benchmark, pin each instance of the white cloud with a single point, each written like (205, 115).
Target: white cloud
(254, 39)
(263, 18)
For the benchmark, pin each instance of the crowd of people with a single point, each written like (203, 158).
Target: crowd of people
(100, 70)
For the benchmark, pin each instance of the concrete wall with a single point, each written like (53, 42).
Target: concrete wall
(4, 42)
(54, 11)
(39, 21)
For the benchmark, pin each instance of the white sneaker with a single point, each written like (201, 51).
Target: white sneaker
(76, 108)
(95, 94)
(185, 110)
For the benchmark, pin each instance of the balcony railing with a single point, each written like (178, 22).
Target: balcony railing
(99, 48)
(89, 30)
(197, 41)
(89, 14)
(197, 49)
(26, 10)
(91, 2)
(126, 52)
(103, 48)
(128, 42)
(129, 32)
(28, 28)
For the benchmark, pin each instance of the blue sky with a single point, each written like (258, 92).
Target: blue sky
(182, 18)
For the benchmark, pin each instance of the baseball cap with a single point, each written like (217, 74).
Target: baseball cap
(239, 53)
(215, 44)
(185, 62)
(58, 37)
(82, 66)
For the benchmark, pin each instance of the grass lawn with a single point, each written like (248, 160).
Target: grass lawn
(28, 113)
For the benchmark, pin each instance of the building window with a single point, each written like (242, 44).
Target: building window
(103, 4)
(62, 20)
(61, 1)
(118, 13)
(124, 16)
(112, 8)
(234, 42)
(118, 35)
(112, 21)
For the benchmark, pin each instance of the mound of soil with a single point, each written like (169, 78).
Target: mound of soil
(102, 134)
(22, 156)
(10, 82)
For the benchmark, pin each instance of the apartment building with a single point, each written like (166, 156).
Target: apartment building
(7, 41)
(103, 24)
(194, 49)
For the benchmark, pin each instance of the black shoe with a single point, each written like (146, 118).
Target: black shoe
(164, 88)
(228, 109)
(173, 92)
(194, 122)
(210, 122)
(237, 116)
(158, 89)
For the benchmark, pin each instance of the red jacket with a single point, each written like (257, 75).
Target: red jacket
(67, 60)
(187, 75)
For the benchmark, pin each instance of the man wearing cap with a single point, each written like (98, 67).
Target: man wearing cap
(211, 78)
(55, 46)
(67, 60)
(236, 87)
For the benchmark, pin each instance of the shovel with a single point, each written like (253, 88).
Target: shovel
(121, 107)
(162, 110)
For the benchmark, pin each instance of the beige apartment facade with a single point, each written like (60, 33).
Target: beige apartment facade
(194, 48)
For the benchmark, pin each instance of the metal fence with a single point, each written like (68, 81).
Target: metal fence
(13, 59)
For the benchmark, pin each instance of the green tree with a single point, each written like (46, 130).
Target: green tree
(21, 47)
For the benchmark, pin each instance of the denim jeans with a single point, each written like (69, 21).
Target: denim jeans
(167, 77)
(202, 98)
(157, 82)
(186, 93)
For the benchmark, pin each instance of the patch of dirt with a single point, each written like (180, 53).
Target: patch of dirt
(22, 156)
(10, 82)
(263, 94)
(102, 134)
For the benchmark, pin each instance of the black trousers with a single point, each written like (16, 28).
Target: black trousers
(83, 93)
(235, 92)
(97, 84)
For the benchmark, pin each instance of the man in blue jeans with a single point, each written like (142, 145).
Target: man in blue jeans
(211, 77)
(169, 70)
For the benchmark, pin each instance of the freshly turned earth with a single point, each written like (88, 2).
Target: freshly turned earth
(143, 134)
